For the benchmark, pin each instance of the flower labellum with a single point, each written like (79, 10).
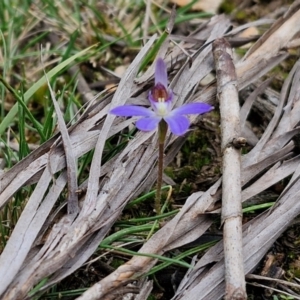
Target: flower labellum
(161, 99)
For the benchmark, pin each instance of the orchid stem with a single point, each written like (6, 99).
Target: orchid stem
(162, 131)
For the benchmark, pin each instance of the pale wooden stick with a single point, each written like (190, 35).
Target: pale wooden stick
(146, 21)
(231, 182)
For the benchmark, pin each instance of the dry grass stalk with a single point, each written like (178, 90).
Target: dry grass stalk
(231, 217)
(72, 198)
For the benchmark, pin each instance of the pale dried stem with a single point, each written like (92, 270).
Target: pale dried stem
(146, 20)
(231, 180)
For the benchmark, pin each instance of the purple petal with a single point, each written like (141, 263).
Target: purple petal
(147, 124)
(131, 110)
(192, 108)
(160, 74)
(178, 124)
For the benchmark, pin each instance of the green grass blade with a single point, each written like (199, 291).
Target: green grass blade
(258, 207)
(146, 196)
(149, 219)
(38, 287)
(49, 123)
(21, 102)
(151, 54)
(23, 146)
(180, 256)
(127, 231)
(162, 258)
(30, 92)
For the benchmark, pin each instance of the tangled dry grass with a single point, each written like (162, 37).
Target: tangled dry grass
(44, 246)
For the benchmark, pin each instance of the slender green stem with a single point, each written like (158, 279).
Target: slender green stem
(159, 177)
(21, 102)
(162, 131)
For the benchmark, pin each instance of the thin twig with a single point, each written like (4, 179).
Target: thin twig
(276, 280)
(231, 181)
(146, 21)
(273, 289)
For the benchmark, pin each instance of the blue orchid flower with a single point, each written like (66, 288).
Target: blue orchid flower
(161, 98)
